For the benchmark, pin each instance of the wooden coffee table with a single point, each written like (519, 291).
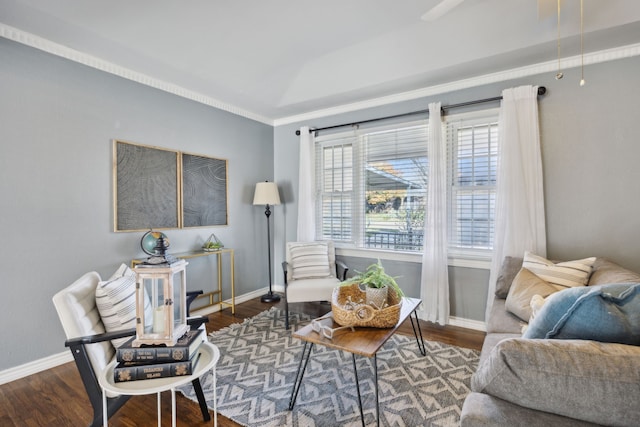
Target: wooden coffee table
(363, 341)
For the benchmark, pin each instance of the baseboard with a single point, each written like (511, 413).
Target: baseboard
(460, 322)
(52, 361)
(468, 323)
(34, 367)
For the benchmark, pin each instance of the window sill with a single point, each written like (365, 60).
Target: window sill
(479, 259)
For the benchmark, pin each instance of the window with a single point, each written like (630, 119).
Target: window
(337, 193)
(473, 160)
(373, 185)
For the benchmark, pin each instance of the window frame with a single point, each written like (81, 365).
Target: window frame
(489, 117)
(458, 256)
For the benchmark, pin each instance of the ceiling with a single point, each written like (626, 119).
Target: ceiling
(273, 59)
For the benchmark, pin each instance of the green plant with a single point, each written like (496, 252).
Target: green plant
(375, 277)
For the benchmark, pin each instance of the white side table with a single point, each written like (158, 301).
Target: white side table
(208, 359)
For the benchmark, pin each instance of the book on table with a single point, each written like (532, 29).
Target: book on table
(158, 361)
(132, 371)
(182, 351)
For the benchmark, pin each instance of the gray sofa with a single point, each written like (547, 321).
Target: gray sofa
(552, 382)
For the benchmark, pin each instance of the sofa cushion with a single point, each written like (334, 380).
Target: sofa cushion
(605, 271)
(501, 321)
(510, 268)
(563, 274)
(524, 287)
(607, 313)
(309, 260)
(586, 380)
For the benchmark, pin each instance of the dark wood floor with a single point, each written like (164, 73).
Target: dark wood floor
(56, 397)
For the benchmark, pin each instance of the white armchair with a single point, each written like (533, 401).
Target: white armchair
(91, 344)
(311, 272)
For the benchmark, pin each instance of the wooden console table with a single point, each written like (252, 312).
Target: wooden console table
(215, 293)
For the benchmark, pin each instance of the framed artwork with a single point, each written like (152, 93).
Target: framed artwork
(204, 191)
(146, 191)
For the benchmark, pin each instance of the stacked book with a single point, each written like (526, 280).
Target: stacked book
(158, 361)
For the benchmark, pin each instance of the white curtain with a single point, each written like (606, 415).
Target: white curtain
(306, 187)
(434, 287)
(520, 223)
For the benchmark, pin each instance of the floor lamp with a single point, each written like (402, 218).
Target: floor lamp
(267, 194)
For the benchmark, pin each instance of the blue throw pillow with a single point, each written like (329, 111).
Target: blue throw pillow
(605, 313)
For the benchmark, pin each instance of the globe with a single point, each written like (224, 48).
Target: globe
(150, 240)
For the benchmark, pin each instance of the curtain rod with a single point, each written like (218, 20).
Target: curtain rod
(541, 91)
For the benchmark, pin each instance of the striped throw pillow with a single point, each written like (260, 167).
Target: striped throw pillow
(564, 274)
(309, 260)
(116, 301)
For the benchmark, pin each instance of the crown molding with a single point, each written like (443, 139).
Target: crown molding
(62, 51)
(515, 73)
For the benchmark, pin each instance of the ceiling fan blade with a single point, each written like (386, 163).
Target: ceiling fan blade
(440, 9)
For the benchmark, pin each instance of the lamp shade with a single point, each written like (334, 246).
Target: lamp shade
(266, 194)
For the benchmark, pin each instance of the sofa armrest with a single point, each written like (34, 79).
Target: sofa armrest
(586, 380)
(482, 410)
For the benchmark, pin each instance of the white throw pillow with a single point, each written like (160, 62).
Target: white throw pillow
(563, 274)
(309, 260)
(537, 301)
(116, 302)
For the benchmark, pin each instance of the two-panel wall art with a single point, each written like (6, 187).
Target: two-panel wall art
(161, 188)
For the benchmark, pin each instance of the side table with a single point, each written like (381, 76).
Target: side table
(209, 356)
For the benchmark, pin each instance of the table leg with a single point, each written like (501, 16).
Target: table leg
(417, 332)
(215, 397)
(233, 284)
(375, 374)
(159, 411)
(173, 407)
(219, 259)
(105, 415)
(355, 371)
(300, 373)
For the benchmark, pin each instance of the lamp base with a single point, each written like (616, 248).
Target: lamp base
(270, 297)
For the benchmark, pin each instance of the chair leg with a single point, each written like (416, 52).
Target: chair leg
(197, 387)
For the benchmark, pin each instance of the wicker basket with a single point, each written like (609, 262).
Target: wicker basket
(349, 309)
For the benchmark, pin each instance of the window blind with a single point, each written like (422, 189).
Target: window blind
(372, 184)
(473, 157)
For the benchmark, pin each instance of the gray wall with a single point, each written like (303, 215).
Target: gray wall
(57, 120)
(590, 152)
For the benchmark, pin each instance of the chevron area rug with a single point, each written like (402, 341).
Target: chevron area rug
(259, 360)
